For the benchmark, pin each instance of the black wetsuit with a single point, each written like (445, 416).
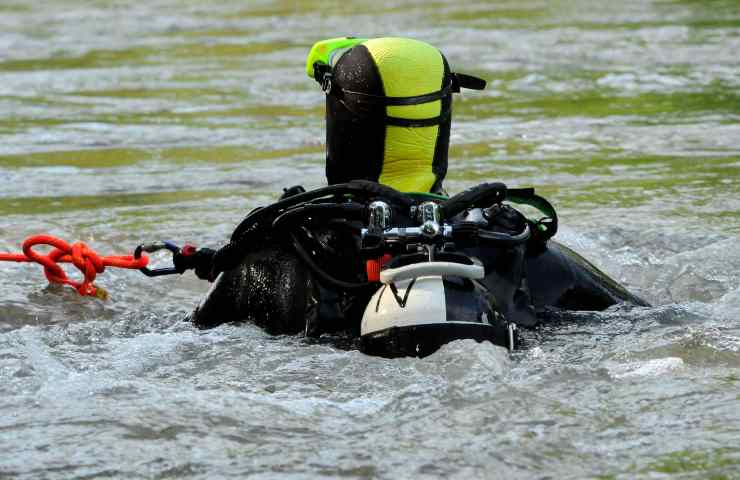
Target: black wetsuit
(275, 289)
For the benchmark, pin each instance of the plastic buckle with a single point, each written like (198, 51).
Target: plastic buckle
(326, 83)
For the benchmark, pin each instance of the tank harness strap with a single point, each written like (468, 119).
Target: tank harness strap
(455, 81)
(424, 122)
(397, 101)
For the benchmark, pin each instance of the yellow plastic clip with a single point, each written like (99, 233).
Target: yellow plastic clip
(101, 293)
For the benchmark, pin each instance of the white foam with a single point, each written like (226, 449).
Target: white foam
(649, 368)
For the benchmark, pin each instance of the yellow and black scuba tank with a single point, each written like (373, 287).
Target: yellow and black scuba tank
(388, 110)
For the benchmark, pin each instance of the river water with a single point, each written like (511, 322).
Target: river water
(123, 122)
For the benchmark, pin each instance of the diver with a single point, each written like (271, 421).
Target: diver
(388, 119)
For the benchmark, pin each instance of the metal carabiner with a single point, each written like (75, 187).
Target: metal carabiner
(153, 247)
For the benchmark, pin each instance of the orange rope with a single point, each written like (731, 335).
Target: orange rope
(80, 255)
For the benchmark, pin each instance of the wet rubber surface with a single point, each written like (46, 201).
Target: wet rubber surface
(125, 122)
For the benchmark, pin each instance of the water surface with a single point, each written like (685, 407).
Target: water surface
(123, 122)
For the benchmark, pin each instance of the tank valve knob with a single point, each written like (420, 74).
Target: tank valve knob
(380, 217)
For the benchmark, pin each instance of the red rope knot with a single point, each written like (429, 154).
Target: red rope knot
(80, 255)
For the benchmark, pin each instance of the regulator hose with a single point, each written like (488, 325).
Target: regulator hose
(483, 195)
(360, 188)
(347, 201)
(322, 274)
(263, 220)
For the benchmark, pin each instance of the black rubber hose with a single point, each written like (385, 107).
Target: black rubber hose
(276, 208)
(322, 274)
(354, 211)
(504, 239)
(362, 188)
(483, 195)
(262, 220)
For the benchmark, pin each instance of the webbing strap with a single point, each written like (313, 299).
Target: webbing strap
(455, 81)
(395, 101)
(548, 226)
(398, 121)
(423, 122)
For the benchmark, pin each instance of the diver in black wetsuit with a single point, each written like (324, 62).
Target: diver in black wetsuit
(388, 114)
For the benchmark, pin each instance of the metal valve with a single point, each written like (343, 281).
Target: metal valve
(380, 217)
(430, 219)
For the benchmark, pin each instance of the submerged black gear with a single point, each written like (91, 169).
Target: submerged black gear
(269, 280)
